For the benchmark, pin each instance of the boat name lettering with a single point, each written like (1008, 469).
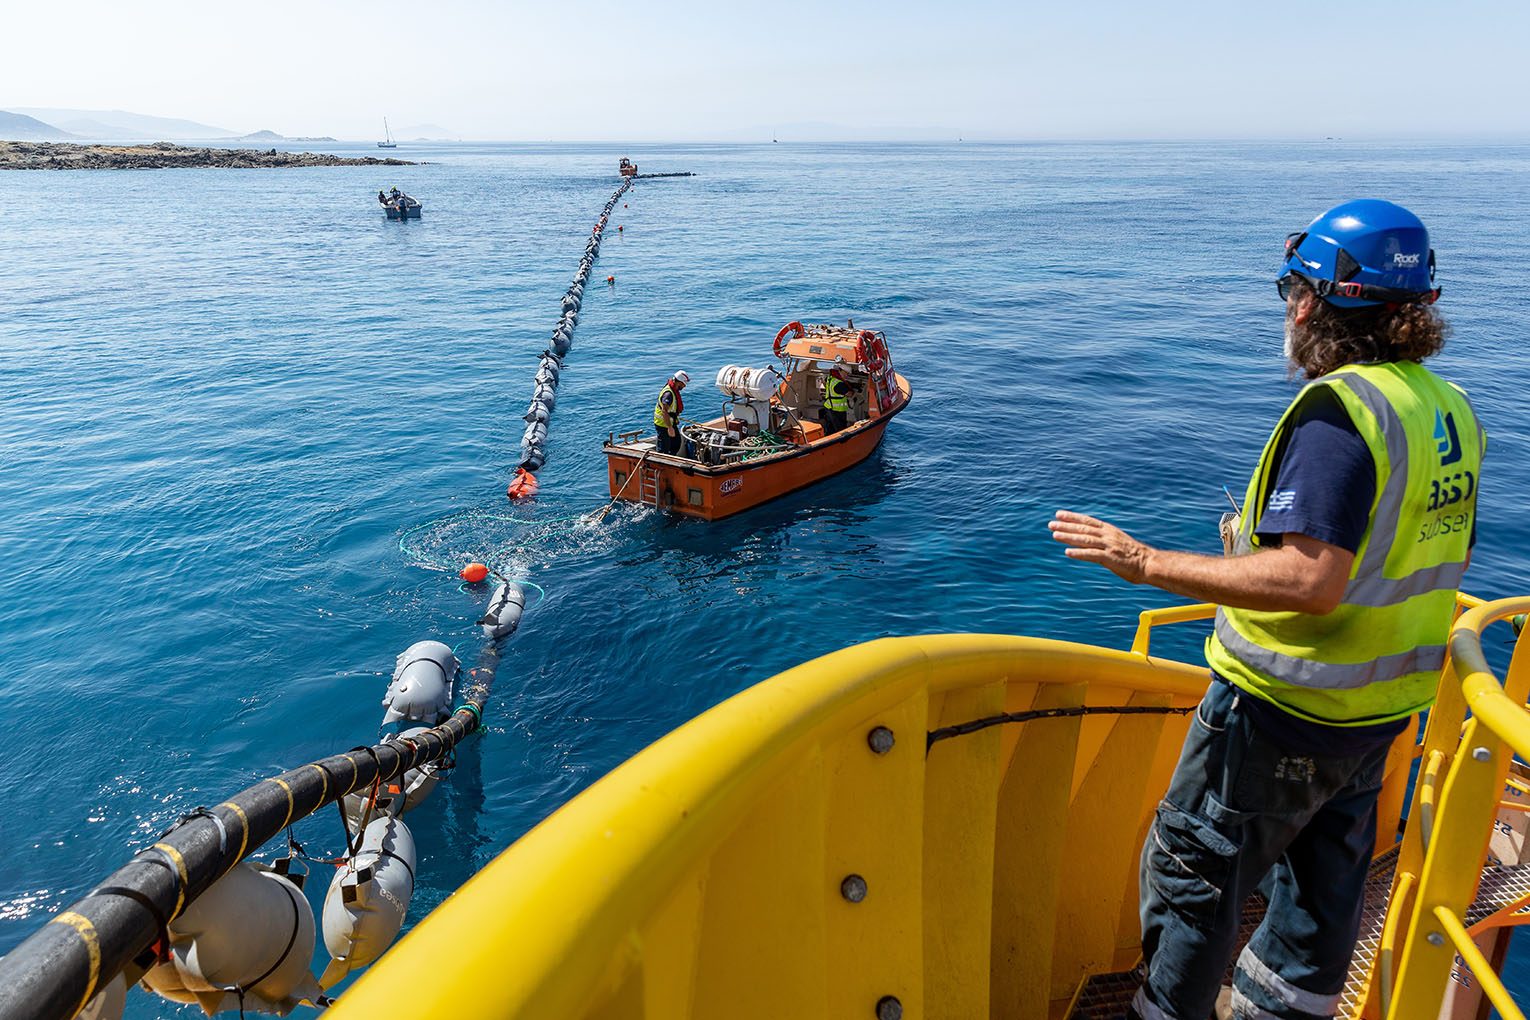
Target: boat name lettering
(730, 486)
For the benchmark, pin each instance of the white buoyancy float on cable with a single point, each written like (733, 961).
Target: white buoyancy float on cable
(504, 612)
(108, 1003)
(252, 932)
(421, 690)
(742, 383)
(368, 898)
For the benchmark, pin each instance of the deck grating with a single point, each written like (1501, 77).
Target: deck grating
(1106, 996)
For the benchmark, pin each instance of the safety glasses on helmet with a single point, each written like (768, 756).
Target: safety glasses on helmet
(1347, 288)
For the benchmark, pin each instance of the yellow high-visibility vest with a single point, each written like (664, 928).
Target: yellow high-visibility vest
(1378, 656)
(834, 395)
(662, 416)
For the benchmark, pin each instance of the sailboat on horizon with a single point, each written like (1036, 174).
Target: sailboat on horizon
(389, 143)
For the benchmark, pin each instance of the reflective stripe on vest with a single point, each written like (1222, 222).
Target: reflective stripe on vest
(834, 395)
(1377, 656)
(661, 414)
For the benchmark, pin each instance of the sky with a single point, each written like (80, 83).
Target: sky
(682, 70)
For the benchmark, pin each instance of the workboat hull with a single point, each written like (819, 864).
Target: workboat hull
(411, 213)
(712, 492)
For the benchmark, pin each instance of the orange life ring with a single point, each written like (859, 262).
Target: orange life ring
(794, 328)
(879, 352)
(871, 351)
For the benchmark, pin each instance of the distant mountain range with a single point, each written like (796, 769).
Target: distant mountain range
(120, 125)
(52, 124)
(18, 127)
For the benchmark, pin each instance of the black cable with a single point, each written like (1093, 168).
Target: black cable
(962, 729)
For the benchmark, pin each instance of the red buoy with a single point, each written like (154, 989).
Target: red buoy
(523, 485)
(474, 573)
(610, 279)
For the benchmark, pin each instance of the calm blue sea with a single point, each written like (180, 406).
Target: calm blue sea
(226, 396)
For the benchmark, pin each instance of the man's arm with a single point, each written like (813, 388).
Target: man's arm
(1302, 575)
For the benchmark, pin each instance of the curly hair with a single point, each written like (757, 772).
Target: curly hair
(1334, 337)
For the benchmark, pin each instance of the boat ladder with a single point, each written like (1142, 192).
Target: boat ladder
(648, 485)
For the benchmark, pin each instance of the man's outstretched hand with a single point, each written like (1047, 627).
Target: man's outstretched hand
(1094, 541)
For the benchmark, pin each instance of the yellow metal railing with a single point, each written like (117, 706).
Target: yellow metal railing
(1475, 729)
(815, 847)
(1150, 618)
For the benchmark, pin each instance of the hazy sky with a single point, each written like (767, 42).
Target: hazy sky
(687, 70)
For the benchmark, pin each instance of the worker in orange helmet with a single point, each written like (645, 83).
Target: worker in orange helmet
(667, 410)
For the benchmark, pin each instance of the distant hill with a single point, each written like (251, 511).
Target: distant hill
(18, 127)
(272, 136)
(120, 124)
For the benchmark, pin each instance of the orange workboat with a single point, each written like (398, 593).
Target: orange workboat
(770, 439)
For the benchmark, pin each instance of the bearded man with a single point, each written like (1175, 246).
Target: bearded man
(1334, 606)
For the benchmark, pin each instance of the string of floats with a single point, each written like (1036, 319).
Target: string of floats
(145, 922)
(544, 394)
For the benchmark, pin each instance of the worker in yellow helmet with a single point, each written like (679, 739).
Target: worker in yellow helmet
(1335, 603)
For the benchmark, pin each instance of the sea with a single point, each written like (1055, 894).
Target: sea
(250, 430)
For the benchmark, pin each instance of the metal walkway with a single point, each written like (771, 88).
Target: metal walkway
(1106, 996)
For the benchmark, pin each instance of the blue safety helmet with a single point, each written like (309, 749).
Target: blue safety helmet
(1363, 253)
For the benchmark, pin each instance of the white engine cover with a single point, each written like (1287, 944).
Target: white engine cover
(748, 383)
(754, 413)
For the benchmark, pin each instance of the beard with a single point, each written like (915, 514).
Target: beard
(1289, 348)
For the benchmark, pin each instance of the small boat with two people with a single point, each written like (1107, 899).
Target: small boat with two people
(626, 167)
(779, 430)
(398, 205)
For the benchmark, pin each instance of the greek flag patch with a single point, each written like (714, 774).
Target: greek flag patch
(1281, 499)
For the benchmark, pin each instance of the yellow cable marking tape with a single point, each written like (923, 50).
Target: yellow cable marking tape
(87, 933)
(324, 793)
(244, 837)
(180, 867)
(290, 808)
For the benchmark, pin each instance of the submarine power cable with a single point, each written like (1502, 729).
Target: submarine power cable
(122, 931)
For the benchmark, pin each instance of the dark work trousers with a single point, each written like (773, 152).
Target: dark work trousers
(1241, 811)
(668, 443)
(832, 421)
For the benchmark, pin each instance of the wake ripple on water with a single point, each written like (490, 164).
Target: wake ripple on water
(218, 431)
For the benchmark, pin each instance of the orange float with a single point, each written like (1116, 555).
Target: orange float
(474, 573)
(523, 486)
